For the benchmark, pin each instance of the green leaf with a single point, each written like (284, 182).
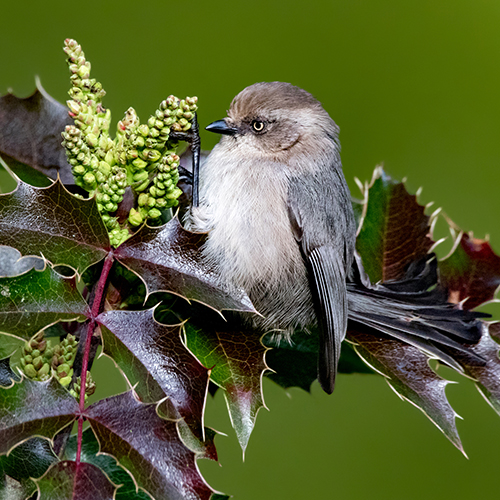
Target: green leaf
(30, 132)
(168, 259)
(28, 460)
(471, 273)
(52, 222)
(148, 446)
(8, 345)
(36, 299)
(394, 231)
(117, 474)
(237, 362)
(153, 356)
(31, 408)
(69, 481)
(407, 371)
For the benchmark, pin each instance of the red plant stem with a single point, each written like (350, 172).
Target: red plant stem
(94, 312)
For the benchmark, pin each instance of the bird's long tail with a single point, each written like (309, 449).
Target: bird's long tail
(414, 310)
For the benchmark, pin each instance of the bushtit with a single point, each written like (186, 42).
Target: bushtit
(280, 223)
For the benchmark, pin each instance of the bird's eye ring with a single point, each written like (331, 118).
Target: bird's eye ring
(258, 126)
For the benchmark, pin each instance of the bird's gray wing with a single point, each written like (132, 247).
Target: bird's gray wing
(323, 226)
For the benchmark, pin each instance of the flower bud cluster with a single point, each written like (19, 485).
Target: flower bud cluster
(89, 387)
(35, 360)
(151, 163)
(89, 148)
(142, 156)
(39, 359)
(63, 357)
(163, 192)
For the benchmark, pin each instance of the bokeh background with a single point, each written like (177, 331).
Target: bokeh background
(414, 85)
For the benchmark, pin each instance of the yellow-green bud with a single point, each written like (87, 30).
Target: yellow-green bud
(135, 218)
(140, 176)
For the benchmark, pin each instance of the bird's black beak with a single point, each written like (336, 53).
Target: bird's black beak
(221, 127)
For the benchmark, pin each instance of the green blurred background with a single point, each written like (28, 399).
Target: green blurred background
(411, 84)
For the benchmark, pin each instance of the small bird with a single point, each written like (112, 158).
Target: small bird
(280, 224)
(277, 209)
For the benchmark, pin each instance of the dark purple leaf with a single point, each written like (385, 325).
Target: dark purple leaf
(471, 273)
(32, 408)
(53, 223)
(30, 132)
(395, 231)
(148, 446)
(407, 371)
(237, 363)
(152, 356)
(168, 259)
(117, 475)
(69, 481)
(487, 376)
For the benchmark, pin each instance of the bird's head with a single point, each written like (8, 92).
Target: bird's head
(276, 119)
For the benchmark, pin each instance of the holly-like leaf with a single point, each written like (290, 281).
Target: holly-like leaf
(395, 230)
(30, 408)
(71, 481)
(36, 299)
(237, 362)
(117, 474)
(471, 273)
(487, 375)
(153, 356)
(28, 460)
(30, 132)
(52, 222)
(408, 373)
(148, 446)
(168, 259)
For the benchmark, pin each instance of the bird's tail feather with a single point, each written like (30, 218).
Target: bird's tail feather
(415, 310)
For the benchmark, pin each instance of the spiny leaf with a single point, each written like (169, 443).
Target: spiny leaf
(30, 132)
(28, 460)
(153, 356)
(487, 376)
(148, 446)
(69, 481)
(471, 273)
(408, 373)
(394, 231)
(117, 475)
(53, 223)
(168, 259)
(31, 408)
(36, 299)
(236, 358)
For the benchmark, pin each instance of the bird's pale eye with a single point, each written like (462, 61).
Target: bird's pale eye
(258, 126)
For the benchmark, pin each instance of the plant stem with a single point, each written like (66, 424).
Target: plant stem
(94, 312)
